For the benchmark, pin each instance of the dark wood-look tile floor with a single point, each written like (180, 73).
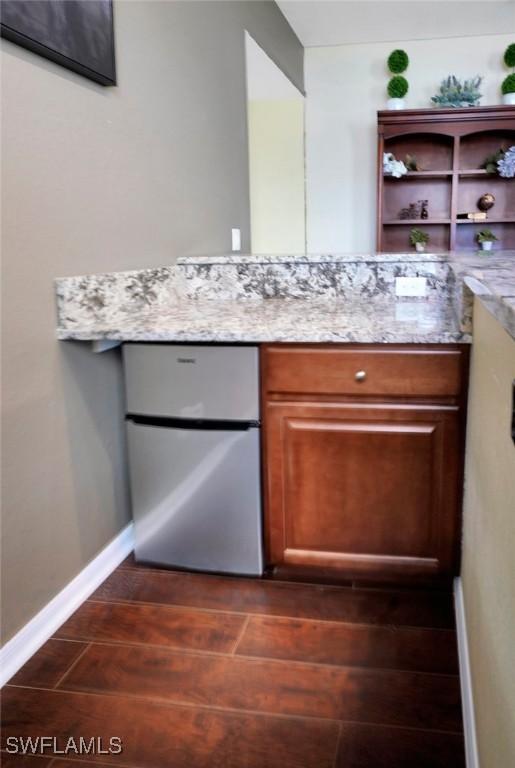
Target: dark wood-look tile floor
(198, 671)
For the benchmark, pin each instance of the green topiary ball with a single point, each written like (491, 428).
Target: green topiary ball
(397, 87)
(509, 55)
(508, 84)
(398, 61)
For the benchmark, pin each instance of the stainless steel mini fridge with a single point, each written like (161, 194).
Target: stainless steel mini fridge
(194, 455)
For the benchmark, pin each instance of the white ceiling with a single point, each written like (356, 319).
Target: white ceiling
(264, 78)
(337, 22)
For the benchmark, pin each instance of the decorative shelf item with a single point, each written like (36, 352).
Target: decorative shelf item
(449, 146)
(454, 93)
(398, 86)
(392, 167)
(508, 84)
(486, 202)
(488, 219)
(486, 239)
(506, 165)
(472, 216)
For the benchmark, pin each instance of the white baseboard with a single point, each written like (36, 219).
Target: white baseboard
(31, 637)
(467, 699)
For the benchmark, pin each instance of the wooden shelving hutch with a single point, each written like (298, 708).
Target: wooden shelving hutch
(450, 145)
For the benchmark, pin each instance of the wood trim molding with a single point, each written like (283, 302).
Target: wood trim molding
(357, 562)
(42, 626)
(465, 114)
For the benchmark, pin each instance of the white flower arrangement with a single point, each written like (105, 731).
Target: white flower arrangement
(393, 167)
(506, 164)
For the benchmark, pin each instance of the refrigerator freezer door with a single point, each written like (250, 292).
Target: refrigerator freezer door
(196, 498)
(192, 382)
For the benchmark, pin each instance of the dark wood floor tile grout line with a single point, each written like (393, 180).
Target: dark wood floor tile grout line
(72, 665)
(352, 584)
(182, 704)
(54, 763)
(240, 635)
(159, 571)
(230, 710)
(166, 606)
(245, 657)
(36, 756)
(171, 648)
(337, 748)
(233, 655)
(393, 626)
(56, 759)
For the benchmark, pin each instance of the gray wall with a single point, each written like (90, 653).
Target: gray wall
(99, 179)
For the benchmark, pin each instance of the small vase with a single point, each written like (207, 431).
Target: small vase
(395, 104)
(508, 98)
(420, 247)
(486, 245)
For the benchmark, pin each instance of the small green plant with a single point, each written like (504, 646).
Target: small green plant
(398, 61)
(418, 236)
(397, 87)
(490, 162)
(508, 84)
(509, 55)
(486, 236)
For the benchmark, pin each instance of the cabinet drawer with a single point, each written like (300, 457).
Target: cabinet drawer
(403, 371)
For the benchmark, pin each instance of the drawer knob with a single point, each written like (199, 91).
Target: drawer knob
(360, 375)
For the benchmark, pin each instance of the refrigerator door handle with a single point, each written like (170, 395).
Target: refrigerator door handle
(219, 425)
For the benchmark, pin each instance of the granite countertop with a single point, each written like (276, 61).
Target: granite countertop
(490, 277)
(320, 298)
(309, 258)
(281, 320)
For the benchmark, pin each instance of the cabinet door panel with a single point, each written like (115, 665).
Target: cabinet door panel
(363, 488)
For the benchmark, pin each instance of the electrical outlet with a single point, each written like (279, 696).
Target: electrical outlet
(235, 239)
(410, 286)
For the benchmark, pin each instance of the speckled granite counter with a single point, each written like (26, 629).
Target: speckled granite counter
(321, 298)
(288, 320)
(489, 277)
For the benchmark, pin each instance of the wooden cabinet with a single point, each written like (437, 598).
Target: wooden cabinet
(364, 482)
(450, 146)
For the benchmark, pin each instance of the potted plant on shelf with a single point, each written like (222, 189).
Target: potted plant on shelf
(397, 87)
(455, 93)
(508, 84)
(419, 239)
(397, 90)
(486, 239)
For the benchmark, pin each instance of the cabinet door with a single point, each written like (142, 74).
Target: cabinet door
(363, 489)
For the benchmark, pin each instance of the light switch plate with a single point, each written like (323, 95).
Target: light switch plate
(235, 239)
(410, 286)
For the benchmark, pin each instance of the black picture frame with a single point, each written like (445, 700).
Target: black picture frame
(78, 34)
